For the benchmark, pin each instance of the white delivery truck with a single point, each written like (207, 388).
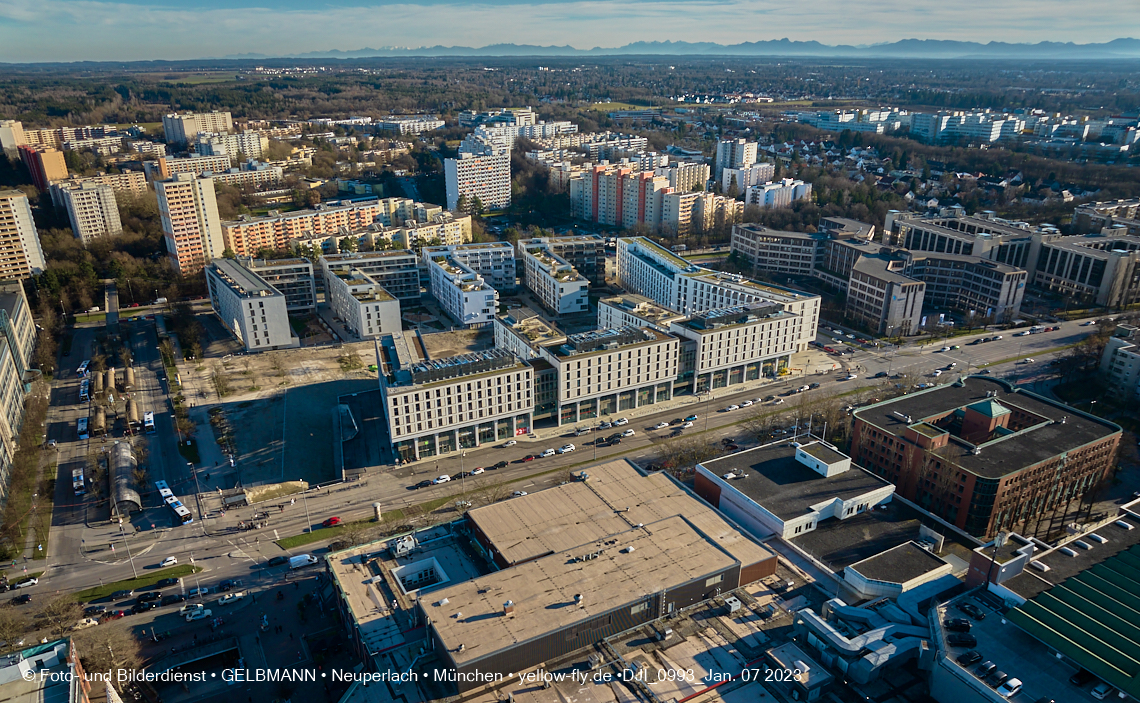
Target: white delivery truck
(301, 561)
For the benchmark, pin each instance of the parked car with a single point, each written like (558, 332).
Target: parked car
(529, 457)
(497, 465)
(687, 426)
(628, 433)
(957, 624)
(961, 639)
(731, 408)
(747, 403)
(548, 452)
(173, 598)
(984, 669)
(509, 443)
(143, 607)
(199, 592)
(163, 583)
(200, 614)
(566, 448)
(189, 608)
(331, 522)
(231, 598)
(278, 561)
(149, 597)
(620, 421)
(85, 623)
(997, 678)
(229, 584)
(112, 615)
(121, 594)
(442, 479)
(1101, 691)
(778, 401)
(26, 583)
(479, 469)
(422, 484)
(22, 599)
(1010, 688)
(169, 561)
(972, 610)
(605, 425)
(973, 656)
(518, 494)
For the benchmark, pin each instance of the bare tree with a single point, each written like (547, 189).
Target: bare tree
(106, 648)
(59, 614)
(13, 626)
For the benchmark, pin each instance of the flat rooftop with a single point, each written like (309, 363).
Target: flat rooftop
(1064, 429)
(773, 478)
(615, 498)
(899, 564)
(841, 543)
(243, 281)
(632, 565)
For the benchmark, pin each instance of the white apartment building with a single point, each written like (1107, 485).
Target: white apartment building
(167, 167)
(1120, 364)
(734, 153)
(104, 146)
(493, 261)
(293, 277)
(396, 270)
(728, 346)
(152, 149)
(483, 179)
(17, 342)
(605, 372)
(253, 145)
(21, 255)
(361, 303)
(410, 124)
(190, 221)
(685, 176)
(252, 173)
(441, 406)
(252, 310)
(180, 129)
(131, 182)
(780, 193)
(632, 310)
(554, 281)
(648, 269)
(91, 208)
(462, 293)
(747, 176)
(523, 330)
(11, 135)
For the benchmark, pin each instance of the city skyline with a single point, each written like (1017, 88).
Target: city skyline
(61, 30)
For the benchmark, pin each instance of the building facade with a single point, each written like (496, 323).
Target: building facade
(478, 179)
(745, 177)
(494, 261)
(411, 124)
(251, 145)
(396, 270)
(21, 255)
(181, 129)
(44, 164)
(293, 277)
(728, 346)
(780, 193)
(361, 303)
(586, 253)
(1120, 364)
(190, 222)
(17, 343)
(92, 210)
(461, 292)
(734, 154)
(883, 300)
(555, 283)
(252, 310)
(168, 167)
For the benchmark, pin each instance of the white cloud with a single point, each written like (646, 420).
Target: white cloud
(73, 30)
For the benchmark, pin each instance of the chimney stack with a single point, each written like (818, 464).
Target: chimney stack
(509, 609)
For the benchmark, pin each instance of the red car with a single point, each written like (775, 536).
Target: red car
(528, 457)
(332, 521)
(111, 615)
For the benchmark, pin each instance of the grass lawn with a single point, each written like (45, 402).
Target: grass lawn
(91, 317)
(44, 506)
(97, 592)
(1042, 352)
(324, 533)
(606, 107)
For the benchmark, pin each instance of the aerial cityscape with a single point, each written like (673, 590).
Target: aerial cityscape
(569, 353)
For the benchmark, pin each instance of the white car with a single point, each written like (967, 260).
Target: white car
(199, 614)
(1026, 333)
(850, 377)
(510, 443)
(231, 598)
(566, 449)
(951, 365)
(628, 433)
(937, 373)
(851, 336)
(85, 623)
(25, 584)
(189, 608)
(169, 561)
(778, 401)
(661, 425)
(687, 426)
(548, 452)
(1026, 361)
(477, 470)
(746, 404)
(732, 407)
(518, 494)
(1010, 688)
(944, 349)
(803, 389)
(1090, 323)
(442, 479)
(620, 421)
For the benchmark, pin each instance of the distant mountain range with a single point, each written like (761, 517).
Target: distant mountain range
(905, 48)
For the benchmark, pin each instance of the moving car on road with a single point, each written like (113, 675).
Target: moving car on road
(331, 522)
(231, 598)
(169, 561)
(566, 449)
(200, 614)
(442, 479)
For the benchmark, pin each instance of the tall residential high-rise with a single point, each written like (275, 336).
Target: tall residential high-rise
(21, 255)
(181, 129)
(734, 153)
(44, 164)
(190, 221)
(11, 135)
(486, 177)
(92, 209)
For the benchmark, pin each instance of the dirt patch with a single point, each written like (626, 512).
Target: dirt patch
(259, 494)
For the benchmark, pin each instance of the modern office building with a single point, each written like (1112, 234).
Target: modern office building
(605, 372)
(360, 302)
(780, 193)
(494, 261)
(190, 222)
(478, 180)
(734, 154)
(181, 129)
(971, 285)
(1120, 364)
(21, 255)
(44, 164)
(409, 124)
(251, 309)
(982, 454)
(1095, 269)
(555, 283)
(440, 406)
(774, 251)
(397, 270)
(1091, 218)
(91, 208)
(745, 177)
(293, 277)
(989, 237)
(461, 292)
(882, 299)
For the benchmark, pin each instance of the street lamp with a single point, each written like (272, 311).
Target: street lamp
(129, 555)
(305, 500)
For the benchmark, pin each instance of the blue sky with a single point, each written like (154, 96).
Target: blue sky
(71, 30)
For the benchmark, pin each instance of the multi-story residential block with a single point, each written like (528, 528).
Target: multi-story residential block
(251, 309)
(494, 261)
(774, 251)
(605, 372)
(168, 167)
(252, 173)
(409, 124)
(181, 129)
(442, 406)
(685, 177)
(396, 270)
(745, 177)
(152, 149)
(293, 277)
(360, 302)
(190, 221)
(91, 208)
(1096, 217)
(734, 153)
(17, 342)
(731, 345)
(251, 145)
(478, 180)
(462, 293)
(523, 330)
(21, 255)
(12, 135)
(128, 182)
(621, 196)
(780, 193)
(982, 454)
(502, 115)
(632, 310)
(586, 253)
(1120, 364)
(44, 164)
(103, 146)
(881, 298)
(649, 269)
(555, 283)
